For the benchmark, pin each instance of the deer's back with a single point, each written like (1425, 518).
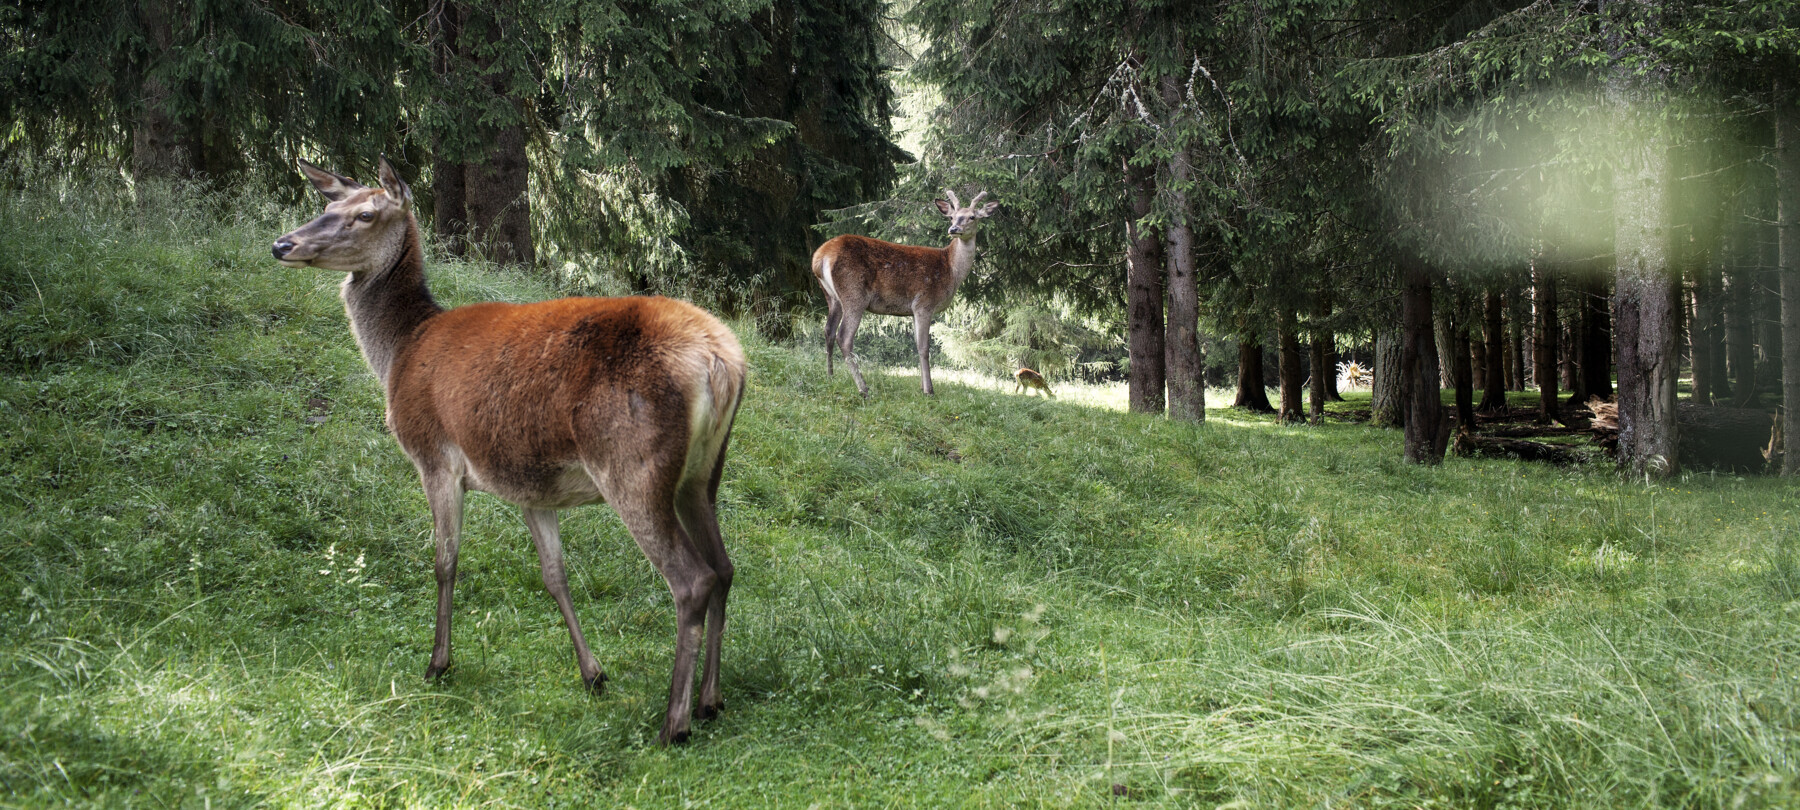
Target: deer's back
(888, 276)
(521, 395)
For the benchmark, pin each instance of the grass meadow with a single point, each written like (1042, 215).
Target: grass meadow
(216, 589)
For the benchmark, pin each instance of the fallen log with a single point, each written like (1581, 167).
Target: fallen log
(1707, 437)
(1468, 444)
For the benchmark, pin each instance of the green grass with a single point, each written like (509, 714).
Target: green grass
(210, 598)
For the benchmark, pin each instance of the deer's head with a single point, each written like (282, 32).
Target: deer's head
(964, 220)
(362, 229)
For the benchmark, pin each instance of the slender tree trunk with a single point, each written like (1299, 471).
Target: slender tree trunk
(481, 193)
(1252, 394)
(1288, 334)
(1462, 367)
(1643, 299)
(1442, 333)
(1144, 296)
(1187, 386)
(1740, 346)
(1321, 371)
(1425, 437)
(449, 211)
(1768, 316)
(1545, 349)
(1596, 339)
(1385, 403)
(498, 202)
(1707, 336)
(1516, 329)
(1787, 184)
(1493, 381)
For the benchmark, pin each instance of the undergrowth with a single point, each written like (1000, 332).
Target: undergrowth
(215, 586)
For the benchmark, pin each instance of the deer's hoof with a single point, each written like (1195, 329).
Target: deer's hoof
(678, 738)
(709, 712)
(596, 684)
(432, 672)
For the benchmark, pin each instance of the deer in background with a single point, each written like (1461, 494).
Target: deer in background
(550, 405)
(1029, 379)
(860, 275)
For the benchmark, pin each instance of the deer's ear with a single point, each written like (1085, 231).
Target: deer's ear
(331, 185)
(392, 184)
(944, 207)
(987, 210)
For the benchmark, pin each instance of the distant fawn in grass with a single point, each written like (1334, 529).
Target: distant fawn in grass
(550, 405)
(860, 275)
(1029, 379)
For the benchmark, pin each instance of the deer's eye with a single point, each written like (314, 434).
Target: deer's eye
(366, 216)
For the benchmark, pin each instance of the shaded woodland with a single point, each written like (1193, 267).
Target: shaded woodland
(1592, 201)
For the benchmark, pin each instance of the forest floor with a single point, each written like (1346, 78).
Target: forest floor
(216, 589)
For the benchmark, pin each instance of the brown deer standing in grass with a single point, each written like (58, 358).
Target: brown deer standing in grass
(860, 275)
(548, 405)
(1029, 379)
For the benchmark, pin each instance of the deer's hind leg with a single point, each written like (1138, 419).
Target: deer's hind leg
(697, 507)
(645, 498)
(851, 319)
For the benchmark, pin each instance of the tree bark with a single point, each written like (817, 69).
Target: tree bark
(1515, 331)
(1385, 404)
(1425, 435)
(162, 147)
(1740, 345)
(1707, 336)
(1787, 184)
(481, 196)
(1288, 334)
(1493, 382)
(1462, 366)
(1544, 349)
(1643, 299)
(1187, 387)
(1252, 394)
(1441, 334)
(1596, 339)
(1321, 372)
(1144, 296)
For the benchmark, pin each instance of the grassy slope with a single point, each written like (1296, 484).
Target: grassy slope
(979, 599)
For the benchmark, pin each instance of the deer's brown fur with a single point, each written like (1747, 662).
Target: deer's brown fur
(549, 405)
(1029, 379)
(860, 274)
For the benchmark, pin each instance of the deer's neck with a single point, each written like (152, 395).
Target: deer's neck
(962, 256)
(387, 306)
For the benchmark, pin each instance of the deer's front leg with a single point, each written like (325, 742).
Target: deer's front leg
(445, 495)
(922, 339)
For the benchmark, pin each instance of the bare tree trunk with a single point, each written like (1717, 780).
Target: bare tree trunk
(1516, 329)
(1288, 335)
(1321, 371)
(1385, 404)
(1740, 346)
(1144, 297)
(1787, 167)
(1424, 411)
(1707, 336)
(1462, 365)
(1187, 386)
(1493, 381)
(1596, 338)
(1441, 334)
(1252, 394)
(449, 211)
(162, 146)
(1643, 299)
(1545, 349)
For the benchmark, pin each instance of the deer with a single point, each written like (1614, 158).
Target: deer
(860, 274)
(1028, 379)
(550, 405)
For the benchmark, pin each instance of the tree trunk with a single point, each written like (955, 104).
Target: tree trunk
(1425, 436)
(1707, 336)
(481, 194)
(1462, 366)
(449, 211)
(497, 200)
(1787, 184)
(1252, 394)
(1516, 329)
(1385, 404)
(1144, 296)
(1740, 346)
(1288, 334)
(1544, 349)
(162, 146)
(1441, 334)
(1643, 299)
(1493, 381)
(1187, 387)
(1596, 339)
(1321, 371)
